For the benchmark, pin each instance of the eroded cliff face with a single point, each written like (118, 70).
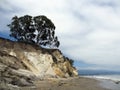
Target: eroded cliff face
(25, 60)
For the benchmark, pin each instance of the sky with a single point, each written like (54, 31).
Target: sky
(88, 30)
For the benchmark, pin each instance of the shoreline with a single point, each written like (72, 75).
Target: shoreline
(111, 84)
(75, 83)
(72, 83)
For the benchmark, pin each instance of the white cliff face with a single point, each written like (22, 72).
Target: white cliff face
(42, 62)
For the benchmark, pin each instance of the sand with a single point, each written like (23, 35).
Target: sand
(78, 83)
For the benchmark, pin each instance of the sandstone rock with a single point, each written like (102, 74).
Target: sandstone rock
(21, 63)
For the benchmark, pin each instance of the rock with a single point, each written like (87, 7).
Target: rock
(22, 63)
(117, 82)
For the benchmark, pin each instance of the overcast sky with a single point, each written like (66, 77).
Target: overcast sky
(89, 30)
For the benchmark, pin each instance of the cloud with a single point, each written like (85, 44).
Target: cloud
(100, 43)
(89, 30)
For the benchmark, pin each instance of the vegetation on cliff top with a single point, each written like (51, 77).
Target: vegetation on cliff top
(36, 30)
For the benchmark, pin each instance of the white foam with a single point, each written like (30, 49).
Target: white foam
(110, 77)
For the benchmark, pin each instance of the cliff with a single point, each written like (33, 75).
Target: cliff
(22, 63)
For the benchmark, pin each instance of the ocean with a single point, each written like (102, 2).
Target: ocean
(109, 79)
(101, 74)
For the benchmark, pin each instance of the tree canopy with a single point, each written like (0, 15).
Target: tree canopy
(39, 30)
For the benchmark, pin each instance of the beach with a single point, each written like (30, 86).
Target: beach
(73, 83)
(77, 83)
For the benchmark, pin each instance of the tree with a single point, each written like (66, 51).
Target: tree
(39, 30)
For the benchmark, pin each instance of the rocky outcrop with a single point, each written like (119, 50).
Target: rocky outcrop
(20, 63)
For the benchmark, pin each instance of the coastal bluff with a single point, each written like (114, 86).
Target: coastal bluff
(22, 63)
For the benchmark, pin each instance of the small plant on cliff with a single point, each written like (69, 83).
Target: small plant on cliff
(38, 30)
(70, 61)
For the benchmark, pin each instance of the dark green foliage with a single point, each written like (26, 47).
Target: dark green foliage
(70, 61)
(39, 30)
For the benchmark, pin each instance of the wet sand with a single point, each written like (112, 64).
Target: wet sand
(78, 83)
(110, 84)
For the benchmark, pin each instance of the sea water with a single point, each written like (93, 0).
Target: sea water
(109, 79)
(101, 74)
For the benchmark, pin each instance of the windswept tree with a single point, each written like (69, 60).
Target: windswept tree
(39, 30)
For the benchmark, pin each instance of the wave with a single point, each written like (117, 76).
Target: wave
(100, 74)
(108, 77)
